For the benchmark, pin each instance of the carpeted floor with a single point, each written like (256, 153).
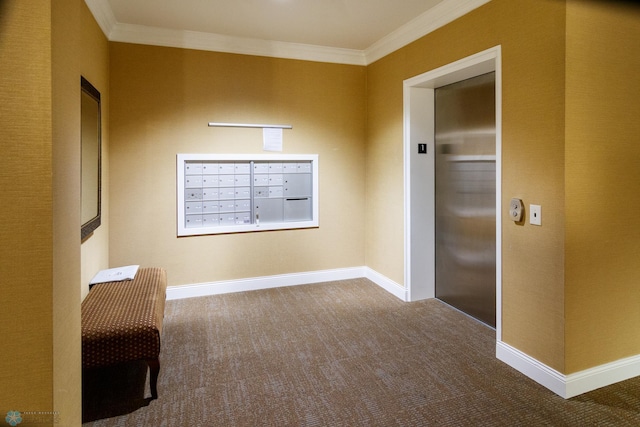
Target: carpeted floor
(343, 353)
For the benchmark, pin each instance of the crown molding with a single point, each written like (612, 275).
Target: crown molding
(434, 18)
(139, 34)
(440, 15)
(103, 14)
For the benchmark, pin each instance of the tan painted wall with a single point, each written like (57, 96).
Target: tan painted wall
(26, 206)
(161, 102)
(79, 48)
(66, 213)
(41, 56)
(603, 177)
(532, 35)
(94, 66)
(162, 99)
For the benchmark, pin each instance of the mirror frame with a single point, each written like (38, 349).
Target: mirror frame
(89, 181)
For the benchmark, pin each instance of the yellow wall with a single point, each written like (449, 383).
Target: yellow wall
(603, 174)
(532, 35)
(157, 101)
(94, 66)
(42, 54)
(79, 48)
(163, 98)
(26, 207)
(66, 212)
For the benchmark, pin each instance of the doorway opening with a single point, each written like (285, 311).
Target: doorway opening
(420, 172)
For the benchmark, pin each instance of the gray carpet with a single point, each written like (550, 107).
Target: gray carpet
(343, 353)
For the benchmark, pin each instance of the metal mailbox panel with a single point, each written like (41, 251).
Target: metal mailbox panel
(193, 194)
(276, 191)
(242, 168)
(210, 181)
(193, 221)
(235, 193)
(227, 206)
(243, 193)
(193, 207)
(269, 210)
(304, 167)
(276, 179)
(260, 192)
(209, 207)
(260, 180)
(297, 185)
(260, 167)
(228, 219)
(193, 181)
(242, 180)
(192, 168)
(226, 180)
(210, 220)
(210, 193)
(289, 167)
(243, 218)
(298, 209)
(209, 168)
(275, 167)
(226, 168)
(227, 193)
(243, 205)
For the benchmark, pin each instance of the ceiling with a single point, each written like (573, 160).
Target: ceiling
(344, 31)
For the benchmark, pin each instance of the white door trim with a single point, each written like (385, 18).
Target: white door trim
(419, 192)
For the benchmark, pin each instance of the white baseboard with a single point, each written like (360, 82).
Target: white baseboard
(293, 279)
(265, 282)
(603, 375)
(568, 386)
(387, 284)
(539, 372)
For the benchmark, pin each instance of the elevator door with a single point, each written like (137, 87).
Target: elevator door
(465, 192)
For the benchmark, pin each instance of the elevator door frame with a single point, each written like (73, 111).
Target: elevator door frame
(419, 172)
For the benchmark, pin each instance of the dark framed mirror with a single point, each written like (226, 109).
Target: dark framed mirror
(91, 166)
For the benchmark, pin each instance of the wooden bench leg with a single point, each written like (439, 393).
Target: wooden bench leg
(154, 370)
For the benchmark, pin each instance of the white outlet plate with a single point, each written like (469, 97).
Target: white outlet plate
(535, 215)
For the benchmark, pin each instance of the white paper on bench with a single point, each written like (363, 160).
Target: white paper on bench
(117, 274)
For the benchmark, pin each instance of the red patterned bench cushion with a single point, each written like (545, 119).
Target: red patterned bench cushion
(122, 321)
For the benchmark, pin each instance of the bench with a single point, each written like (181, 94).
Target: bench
(122, 322)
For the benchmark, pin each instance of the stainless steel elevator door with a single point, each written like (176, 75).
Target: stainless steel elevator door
(465, 192)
